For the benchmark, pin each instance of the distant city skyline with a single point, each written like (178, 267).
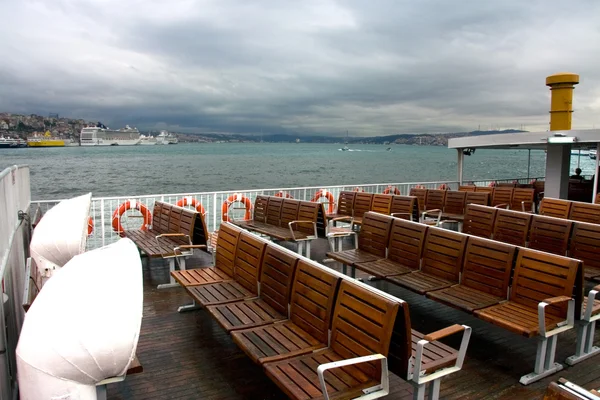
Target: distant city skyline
(299, 68)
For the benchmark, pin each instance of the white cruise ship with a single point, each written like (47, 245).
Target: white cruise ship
(148, 140)
(100, 135)
(166, 138)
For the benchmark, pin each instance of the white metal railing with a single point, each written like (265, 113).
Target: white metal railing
(103, 208)
(15, 231)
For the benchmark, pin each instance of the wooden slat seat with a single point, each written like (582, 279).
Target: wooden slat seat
(421, 195)
(585, 212)
(454, 205)
(248, 259)
(441, 263)
(362, 324)
(372, 241)
(585, 246)
(307, 329)
(502, 196)
(556, 208)
(550, 234)
(485, 189)
(224, 261)
(345, 205)
(512, 227)
(435, 356)
(435, 199)
(277, 272)
(259, 213)
(479, 220)
(481, 198)
(523, 199)
(362, 204)
(405, 248)
(382, 203)
(405, 207)
(484, 279)
(538, 276)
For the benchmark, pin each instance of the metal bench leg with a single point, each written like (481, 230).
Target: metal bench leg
(433, 391)
(308, 249)
(585, 342)
(189, 307)
(172, 282)
(300, 247)
(544, 361)
(101, 392)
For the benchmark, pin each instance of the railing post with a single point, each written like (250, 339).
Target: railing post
(215, 210)
(103, 228)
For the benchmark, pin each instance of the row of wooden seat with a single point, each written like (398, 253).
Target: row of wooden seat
(174, 234)
(288, 313)
(553, 235)
(287, 219)
(474, 274)
(351, 206)
(573, 210)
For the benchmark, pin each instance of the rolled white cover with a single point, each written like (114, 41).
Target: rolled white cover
(61, 234)
(84, 325)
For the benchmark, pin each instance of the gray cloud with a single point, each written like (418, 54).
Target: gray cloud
(298, 67)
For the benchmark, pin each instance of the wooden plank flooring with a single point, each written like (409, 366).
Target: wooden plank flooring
(188, 356)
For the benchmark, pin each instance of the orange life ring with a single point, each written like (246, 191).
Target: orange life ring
(492, 184)
(284, 194)
(357, 189)
(128, 205)
(190, 201)
(419, 187)
(90, 226)
(236, 197)
(531, 182)
(392, 189)
(443, 186)
(327, 194)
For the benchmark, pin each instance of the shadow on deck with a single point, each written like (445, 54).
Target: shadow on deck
(189, 356)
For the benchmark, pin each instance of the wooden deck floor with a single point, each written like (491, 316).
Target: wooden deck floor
(188, 356)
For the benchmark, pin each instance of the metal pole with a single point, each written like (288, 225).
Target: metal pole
(461, 158)
(579, 158)
(595, 191)
(528, 163)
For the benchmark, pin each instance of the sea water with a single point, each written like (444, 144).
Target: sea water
(58, 173)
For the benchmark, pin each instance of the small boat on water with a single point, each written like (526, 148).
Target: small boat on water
(148, 140)
(593, 154)
(7, 142)
(345, 148)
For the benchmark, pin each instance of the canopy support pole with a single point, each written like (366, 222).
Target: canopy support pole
(528, 163)
(595, 191)
(461, 159)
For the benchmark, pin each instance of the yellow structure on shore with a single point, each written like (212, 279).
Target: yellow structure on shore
(45, 141)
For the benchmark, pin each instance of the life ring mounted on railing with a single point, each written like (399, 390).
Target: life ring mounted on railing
(357, 189)
(284, 195)
(190, 201)
(444, 186)
(392, 189)
(131, 205)
(90, 226)
(236, 198)
(326, 194)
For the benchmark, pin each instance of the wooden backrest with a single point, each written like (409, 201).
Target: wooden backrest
(522, 198)
(597, 199)
(174, 219)
(435, 199)
(362, 204)
(274, 210)
(187, 221)
(539, 276)
(539, 186)
(479, 220)
(374, 233)
(289, 212)
(502, 195)
(227, 241)
(443, 253)
(308, 212)
(362, 324)
(550, 234)
(405, 207)
(421, 195)
(277, 273)
(406, 243)
(488, 265)
(401, 349)
(382, 203)
(512, 227)
(455, 202)
(585, 212)
(485, 189)
(160, 217)
(260, 208)
(345, 203)
(466, 188)
(481, 198)
(312, 300)
(506, 184)
(585, 244)
(248, 259)
(556, 208)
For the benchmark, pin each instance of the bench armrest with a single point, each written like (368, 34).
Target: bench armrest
(570, 322)
(437, 219)
(448, 221)
(442, 333)
(382, 389)
(171, 235)
(397, 214)
(344, 218)
(503, 205)
(590, 302)
(300, 222)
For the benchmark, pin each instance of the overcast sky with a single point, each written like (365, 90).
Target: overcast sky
(372, 67)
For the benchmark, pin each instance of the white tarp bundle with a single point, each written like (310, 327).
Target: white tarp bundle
(61, 234)
(83, 326)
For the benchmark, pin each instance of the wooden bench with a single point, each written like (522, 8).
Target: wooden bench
(485, 189)
(550, 234)
(502, 196)
(453, 208)
(565, 390)
(541, 290)
(480, 198)
(345, 206)
(434, 203)
(174, 234)
(585, 212)
(362, 204)
(585, 246)
(523, 199)
(405, 207)
(479, 220)
(597, 199)
(466, 188)
(556, 208)
(512, 227)
(421, 195)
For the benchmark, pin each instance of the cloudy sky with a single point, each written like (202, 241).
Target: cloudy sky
(372, 67)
